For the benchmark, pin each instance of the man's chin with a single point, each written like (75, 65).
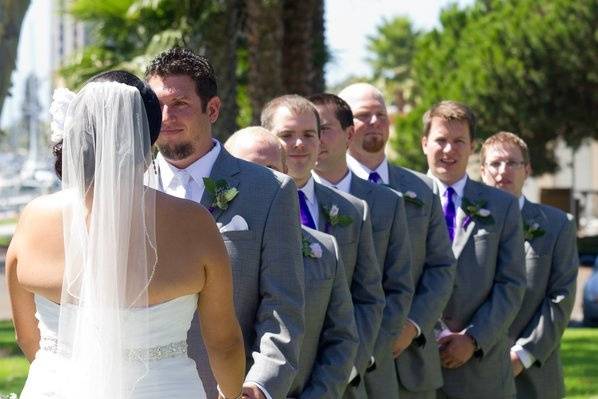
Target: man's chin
(176, 152)
(373, 145)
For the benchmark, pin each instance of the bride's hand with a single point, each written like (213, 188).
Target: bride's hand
(251, 391)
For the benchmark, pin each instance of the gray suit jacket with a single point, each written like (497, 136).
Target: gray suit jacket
(391, 242)
(361, 269)
(433, 272)
(551, 264)
(268, 279)
(330, 341)
(488, 292)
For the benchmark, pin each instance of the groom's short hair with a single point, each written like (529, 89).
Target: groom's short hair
(342, 110)
(182, 61)
(294, 103)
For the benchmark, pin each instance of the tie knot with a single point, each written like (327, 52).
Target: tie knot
(449, 192)
(183, 177)
(301, 195)
(374, 177)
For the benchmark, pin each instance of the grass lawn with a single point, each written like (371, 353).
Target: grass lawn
(579, 354)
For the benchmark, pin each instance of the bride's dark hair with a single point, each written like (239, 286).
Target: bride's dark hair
(150, 102)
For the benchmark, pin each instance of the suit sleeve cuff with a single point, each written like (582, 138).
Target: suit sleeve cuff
(419, 330)
(527, 359)
(261, 388)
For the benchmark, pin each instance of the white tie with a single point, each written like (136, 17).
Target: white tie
(183, 188)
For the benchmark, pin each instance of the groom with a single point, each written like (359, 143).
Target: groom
(253, 207)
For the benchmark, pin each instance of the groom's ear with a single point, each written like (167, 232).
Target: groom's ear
(213, 108)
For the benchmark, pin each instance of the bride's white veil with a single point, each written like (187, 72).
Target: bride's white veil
(109, 238)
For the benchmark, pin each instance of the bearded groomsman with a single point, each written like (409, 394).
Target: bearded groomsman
(295, 121)
(484, 224)
(254, 209)
(417, 373)
(389, 224)
(330, 341)
(551, 264)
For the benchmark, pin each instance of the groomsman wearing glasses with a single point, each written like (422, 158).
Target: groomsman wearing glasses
(485, 227)
(416, 372)
(330, 340)
(551, 264)
(295, 121)
(389, 225)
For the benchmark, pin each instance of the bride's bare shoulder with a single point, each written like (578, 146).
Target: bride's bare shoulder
(44, 206)
(180, 209)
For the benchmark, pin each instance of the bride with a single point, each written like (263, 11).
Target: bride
(105, 275)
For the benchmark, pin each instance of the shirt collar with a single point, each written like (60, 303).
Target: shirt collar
(521, 201)
(197, 170)
(309, 190)
(363, 171)
(458, 186)
(344, 184)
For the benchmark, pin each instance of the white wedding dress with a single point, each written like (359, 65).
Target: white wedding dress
(171, 374)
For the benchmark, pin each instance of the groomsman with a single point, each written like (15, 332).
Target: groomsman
(330, 341)
(254, 209)
(295, 121)
(432, 266)
(389, 225)
(484, 224)
(551, 265)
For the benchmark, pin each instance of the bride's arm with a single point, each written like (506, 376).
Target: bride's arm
(219, 325)
(22, 304)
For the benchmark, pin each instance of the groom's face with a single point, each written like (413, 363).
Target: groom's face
(299, 135)
(186, 125)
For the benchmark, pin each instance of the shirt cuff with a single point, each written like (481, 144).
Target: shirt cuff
(261, 387)
(419, 330)
(527, 359)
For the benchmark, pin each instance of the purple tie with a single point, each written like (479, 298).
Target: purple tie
(449, 212)
(306, 218)
(374, 177)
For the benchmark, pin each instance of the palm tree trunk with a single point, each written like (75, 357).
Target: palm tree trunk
(297, 59)
(12, 13)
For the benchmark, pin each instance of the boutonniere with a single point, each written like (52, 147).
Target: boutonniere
(311, 250)
(411, 197)
(333, 217)
(475, 210)
(222, 194)
(532, 230)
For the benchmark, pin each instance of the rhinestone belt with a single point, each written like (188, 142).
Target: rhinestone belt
(173, 349)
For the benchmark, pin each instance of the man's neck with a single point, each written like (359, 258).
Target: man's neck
(200, 152)
(335, 174)
(300, 182)
(369, 159)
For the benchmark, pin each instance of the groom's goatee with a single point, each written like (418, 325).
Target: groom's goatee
(176, 152)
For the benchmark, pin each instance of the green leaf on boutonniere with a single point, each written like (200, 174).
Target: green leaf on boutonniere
(333, 217)
(222, 194)
(532, 230)
(310, 250)
(411, 197)
(477, 210)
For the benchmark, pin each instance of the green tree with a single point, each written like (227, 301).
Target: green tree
(390, 54)
(522, 65)
(12, 13)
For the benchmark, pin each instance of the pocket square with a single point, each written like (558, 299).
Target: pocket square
(237, 223)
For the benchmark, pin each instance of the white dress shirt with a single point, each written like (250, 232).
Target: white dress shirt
(458, 186)
(170, 181)
(312, 202)
(363, 171)
(527, 359)
(343, 185)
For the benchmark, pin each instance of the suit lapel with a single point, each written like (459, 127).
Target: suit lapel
(361, 189)
(225, 168)
(395, 178)
(463, 233)
(323, 200)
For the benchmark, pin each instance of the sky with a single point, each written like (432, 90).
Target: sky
(348, 24)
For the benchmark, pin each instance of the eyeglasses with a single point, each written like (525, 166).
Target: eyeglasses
(509, 165)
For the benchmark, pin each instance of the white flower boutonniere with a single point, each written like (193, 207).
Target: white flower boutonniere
(333, 217)
(222, 194)
(311, 250)
(532, 230)
(475, 210)
(411, 197)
